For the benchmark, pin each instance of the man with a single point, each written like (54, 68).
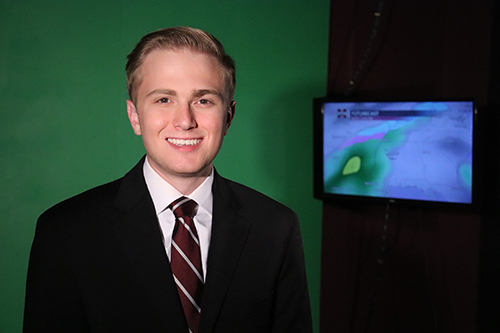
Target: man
(129, 257)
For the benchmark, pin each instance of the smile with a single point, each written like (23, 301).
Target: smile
(181, 142)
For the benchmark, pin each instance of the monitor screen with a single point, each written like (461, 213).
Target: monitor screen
(395, 150)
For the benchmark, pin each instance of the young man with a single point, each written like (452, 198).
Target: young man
(128, 256)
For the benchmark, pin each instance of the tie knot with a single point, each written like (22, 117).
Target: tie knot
(183, 207)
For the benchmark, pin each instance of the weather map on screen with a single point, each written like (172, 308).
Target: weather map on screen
(401, 150)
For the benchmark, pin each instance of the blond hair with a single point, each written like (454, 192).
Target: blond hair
(179, 38)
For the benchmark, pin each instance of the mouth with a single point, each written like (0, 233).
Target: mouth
(182, 142)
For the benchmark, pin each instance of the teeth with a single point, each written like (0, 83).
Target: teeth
(180, 142)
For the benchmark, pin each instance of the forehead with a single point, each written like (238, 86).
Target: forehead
(172, 60)
(166, 68)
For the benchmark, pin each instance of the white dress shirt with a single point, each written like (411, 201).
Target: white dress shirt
(163, 194)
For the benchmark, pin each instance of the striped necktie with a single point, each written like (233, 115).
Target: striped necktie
(186, 260)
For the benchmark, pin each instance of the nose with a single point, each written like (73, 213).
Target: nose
(184, 118)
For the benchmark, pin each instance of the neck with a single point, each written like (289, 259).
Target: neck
(184, 183)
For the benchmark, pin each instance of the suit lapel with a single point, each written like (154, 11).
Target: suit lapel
(229, 234)
(139, 233)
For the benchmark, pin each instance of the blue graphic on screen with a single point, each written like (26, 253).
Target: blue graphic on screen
(402, 150)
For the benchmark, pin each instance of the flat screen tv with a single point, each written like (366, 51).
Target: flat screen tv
(394, 151)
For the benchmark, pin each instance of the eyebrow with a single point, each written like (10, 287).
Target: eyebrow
(203, 92)
(196, 93)
(163, 92)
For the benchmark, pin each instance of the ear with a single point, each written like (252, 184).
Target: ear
(230, 115)
(133, 117)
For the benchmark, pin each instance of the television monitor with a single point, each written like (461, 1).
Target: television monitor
(395, 151)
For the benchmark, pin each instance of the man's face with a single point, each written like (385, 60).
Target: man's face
(180, 112)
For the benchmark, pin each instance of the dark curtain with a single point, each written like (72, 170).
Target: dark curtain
(415, 268)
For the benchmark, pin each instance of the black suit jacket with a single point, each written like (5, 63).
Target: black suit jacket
(98, 264)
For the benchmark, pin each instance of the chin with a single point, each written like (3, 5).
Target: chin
(192, 172)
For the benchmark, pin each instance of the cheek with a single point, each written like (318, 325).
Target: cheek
(210, 122)
(154, 124)
(219, 127)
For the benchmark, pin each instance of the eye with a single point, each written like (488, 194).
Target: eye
(204, 101)
(163, 100)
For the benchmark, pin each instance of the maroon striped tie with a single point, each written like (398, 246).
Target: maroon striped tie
(186, 260)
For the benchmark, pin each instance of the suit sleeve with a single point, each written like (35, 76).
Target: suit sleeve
(293, 313)
(52, 301)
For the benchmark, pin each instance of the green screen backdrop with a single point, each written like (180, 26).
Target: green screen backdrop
(64, 127)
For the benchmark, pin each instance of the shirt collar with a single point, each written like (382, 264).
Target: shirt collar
(163, 193)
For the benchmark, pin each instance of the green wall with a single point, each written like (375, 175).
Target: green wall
(63, 123)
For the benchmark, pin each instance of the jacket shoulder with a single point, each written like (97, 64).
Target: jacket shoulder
(257, 203)
(101, 199)
(93, 200)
